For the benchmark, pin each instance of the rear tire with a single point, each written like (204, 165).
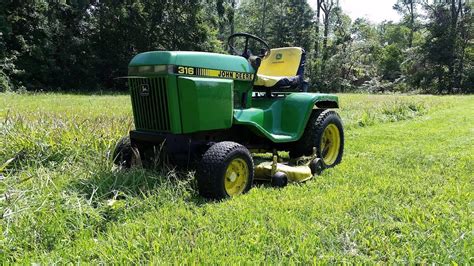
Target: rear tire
(321, 125)
(226, 170)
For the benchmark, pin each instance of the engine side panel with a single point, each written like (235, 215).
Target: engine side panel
(205, 103)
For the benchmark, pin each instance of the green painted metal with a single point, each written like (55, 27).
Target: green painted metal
(149, 65)
(283, 119)
(205, 103)
(193, 59)
(174, 105)
(150, 108)
(158, 110)
(181, 104)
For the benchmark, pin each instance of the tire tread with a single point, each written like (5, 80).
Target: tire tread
(213, 165)
(312, 134)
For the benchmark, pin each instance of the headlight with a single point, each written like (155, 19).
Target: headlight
(158, 69)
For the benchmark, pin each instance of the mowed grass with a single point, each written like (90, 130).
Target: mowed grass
(403, 194)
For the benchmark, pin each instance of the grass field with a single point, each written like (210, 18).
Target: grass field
(403, 194)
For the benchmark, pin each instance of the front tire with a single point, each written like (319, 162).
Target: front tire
(226, 170)
(125, 155)
(325, 132)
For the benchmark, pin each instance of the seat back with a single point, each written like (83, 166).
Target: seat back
(283, 62)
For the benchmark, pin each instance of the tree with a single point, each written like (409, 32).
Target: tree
(408, 9)
(281, 23)
(444, 48)
(327, 7)
(28, 42)
(465, 78)
(5, 28)
(317, 28)
(226, 12)
(394, 33)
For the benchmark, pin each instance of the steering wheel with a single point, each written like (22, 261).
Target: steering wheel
(247, 53)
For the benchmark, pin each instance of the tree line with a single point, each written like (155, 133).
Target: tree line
(86, 44)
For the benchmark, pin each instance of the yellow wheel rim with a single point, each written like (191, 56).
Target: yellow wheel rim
(330, 144)
(236, 177)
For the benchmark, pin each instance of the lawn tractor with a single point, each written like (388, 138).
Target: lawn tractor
(217, 113)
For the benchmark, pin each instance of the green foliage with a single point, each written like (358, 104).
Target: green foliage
(396, 198)
(391, 112)
(394, 34)
(281, 23)
(4, 82)
(390, 62)
(86, 45)
(413, 55)
(444, 59)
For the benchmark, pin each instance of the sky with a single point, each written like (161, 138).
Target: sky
(374, 10)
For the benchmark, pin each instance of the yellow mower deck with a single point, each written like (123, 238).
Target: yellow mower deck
(296, 174)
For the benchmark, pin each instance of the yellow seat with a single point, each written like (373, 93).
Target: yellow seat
(283, 66)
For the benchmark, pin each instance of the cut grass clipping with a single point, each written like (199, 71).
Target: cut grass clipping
(403, 193)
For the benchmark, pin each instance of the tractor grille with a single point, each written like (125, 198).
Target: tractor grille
(150, 103)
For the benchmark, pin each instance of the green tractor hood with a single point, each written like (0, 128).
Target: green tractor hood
(189, 59)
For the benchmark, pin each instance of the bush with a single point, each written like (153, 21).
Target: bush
(4, 82)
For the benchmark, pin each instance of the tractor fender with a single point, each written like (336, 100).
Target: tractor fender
(284, 119)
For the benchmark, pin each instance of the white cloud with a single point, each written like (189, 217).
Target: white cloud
(374, 10)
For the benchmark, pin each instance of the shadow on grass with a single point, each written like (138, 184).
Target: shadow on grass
(117, 195)
(171, 184)
(116, 184)
(114, 192)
